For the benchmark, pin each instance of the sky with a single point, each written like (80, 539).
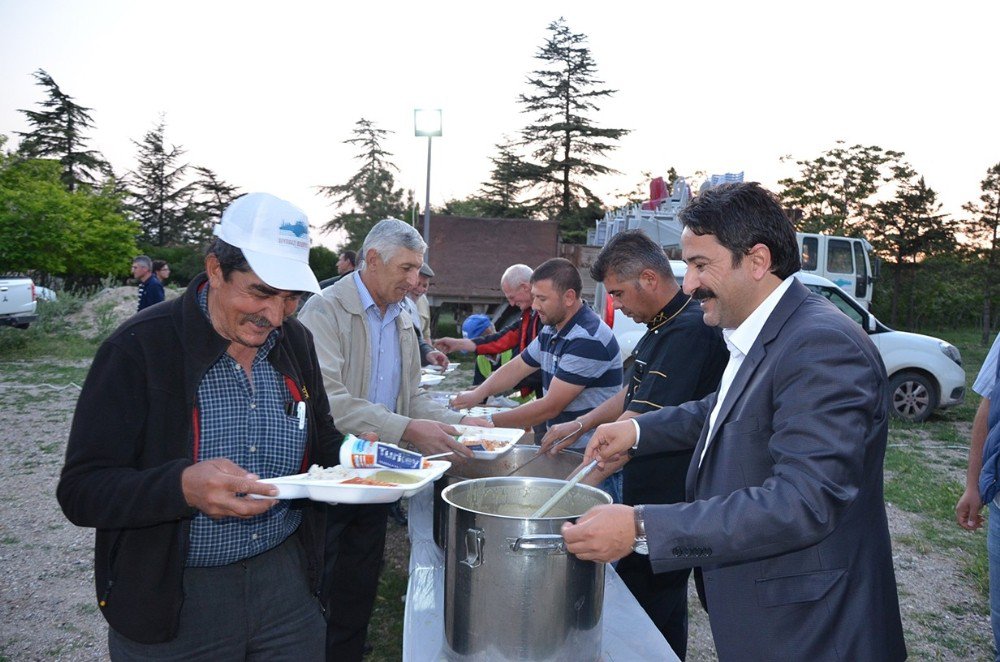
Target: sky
(265, 93)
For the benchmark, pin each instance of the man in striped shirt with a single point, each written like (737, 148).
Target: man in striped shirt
(576, 352)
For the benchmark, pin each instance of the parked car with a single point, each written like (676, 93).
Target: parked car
(925, 373)
(17, 302)
(45, 294)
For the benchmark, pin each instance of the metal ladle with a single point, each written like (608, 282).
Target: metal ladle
(557, 497)
(539, 454)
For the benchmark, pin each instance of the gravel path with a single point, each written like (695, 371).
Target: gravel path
(47, 604)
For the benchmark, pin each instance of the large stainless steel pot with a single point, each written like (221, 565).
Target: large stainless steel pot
(550, 466)
(512, 591)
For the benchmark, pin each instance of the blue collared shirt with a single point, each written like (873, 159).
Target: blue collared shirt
(249, 424)
(386, 357)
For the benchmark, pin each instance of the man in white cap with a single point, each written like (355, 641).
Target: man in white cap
(185, 408)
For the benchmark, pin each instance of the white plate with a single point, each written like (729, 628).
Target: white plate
(437, 370)
(509, 436)
(335, 491)
(431, 380)
(481, 411)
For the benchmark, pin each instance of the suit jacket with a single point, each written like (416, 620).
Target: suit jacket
(786, 517)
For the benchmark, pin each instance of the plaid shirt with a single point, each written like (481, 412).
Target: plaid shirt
(250, 425)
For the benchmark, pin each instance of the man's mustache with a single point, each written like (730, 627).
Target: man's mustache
(703, 293)
(259, 321)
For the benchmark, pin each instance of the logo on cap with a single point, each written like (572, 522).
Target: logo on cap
(291, 234)
(297, 228)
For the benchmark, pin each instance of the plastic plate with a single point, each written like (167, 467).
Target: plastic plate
(431, 380)
(336, 491)
(470, 435)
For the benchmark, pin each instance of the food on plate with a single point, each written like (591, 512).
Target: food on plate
(485, 444)
(359, 480)
(398, 477)
(349, 477)
(338, 472)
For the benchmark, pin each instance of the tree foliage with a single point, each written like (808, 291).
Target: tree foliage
(983, 227)
(47, 229)
(563, 139)
(159, 193)
(912, 229)
(323, 262)
(501, 196)
(58, 132)
(370, 195)
(836, 192)
(209, 197)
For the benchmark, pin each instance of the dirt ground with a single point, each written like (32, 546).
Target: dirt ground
(47, 602)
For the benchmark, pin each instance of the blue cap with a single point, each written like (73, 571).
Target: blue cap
(475, 325)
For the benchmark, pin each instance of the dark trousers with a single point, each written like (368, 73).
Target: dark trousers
(355, 542)
(257, 609)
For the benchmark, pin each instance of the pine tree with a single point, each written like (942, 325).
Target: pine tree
(210, 196)
(563, 139)
(502, 196)
(984, 226)
(912, 229)
(58, 133)
(370, 194)
(158, 195)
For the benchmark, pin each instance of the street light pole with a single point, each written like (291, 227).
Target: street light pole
(427, 202)
(427, 123)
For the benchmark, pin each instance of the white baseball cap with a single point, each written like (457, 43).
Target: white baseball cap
(274, 237)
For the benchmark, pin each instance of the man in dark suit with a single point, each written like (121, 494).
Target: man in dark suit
(785, 518)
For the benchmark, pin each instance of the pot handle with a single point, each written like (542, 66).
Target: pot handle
(539, 543)
(474, 539)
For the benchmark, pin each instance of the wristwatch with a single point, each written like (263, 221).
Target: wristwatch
(635, 447)
(641, 545)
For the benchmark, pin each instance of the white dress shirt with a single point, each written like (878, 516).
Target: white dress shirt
(739, 341)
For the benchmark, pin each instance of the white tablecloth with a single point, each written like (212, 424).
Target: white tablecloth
(628, 634)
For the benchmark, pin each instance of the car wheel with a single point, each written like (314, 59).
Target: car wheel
(913, 396)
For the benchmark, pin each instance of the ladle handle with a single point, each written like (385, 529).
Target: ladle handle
(563, 491)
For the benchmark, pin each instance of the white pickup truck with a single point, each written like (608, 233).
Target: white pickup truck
(17, 302)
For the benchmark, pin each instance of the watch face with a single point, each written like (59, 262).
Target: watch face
(641, 547)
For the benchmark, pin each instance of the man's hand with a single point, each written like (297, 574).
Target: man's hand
(567, 432)
(438, 359)
(211, 487)
(610, 443)
(431, 437)
(448, 345)
(968, 512)
(603, 533)
(475, 421)
(466, 399)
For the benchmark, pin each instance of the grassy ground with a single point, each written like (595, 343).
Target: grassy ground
(925, 471)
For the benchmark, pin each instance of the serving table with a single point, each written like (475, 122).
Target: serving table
(628, 634)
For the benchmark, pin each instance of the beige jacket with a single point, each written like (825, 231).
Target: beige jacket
(424, 309)
(343, 346)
